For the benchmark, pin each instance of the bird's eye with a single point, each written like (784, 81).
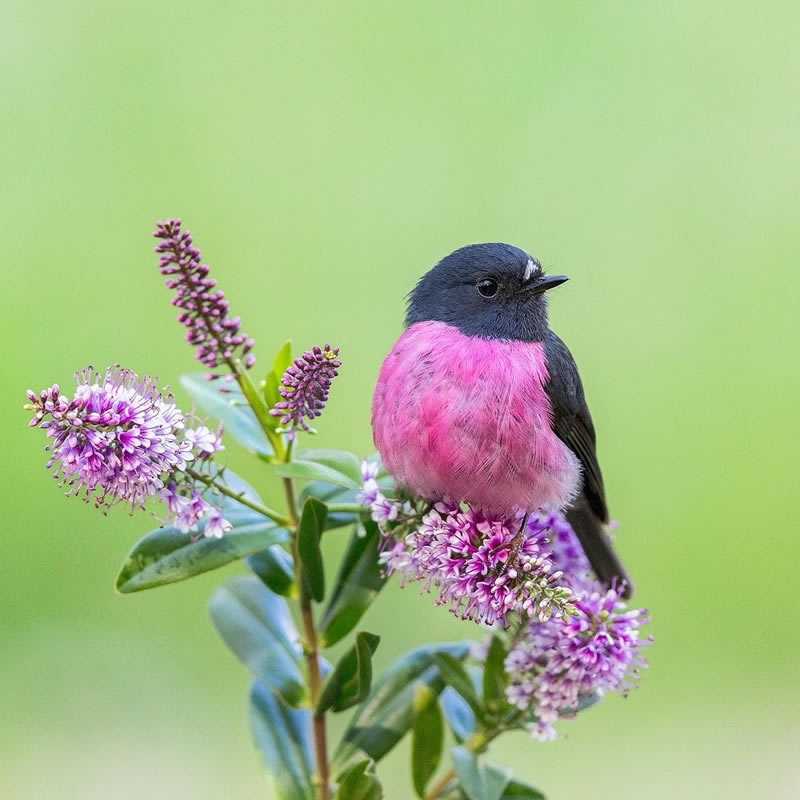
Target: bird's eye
(487, 287)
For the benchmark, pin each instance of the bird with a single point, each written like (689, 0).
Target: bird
(481, 402)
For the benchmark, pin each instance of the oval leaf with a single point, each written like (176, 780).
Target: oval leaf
(350, 681)
(427, 738)
(166, 555)
(518, 790)
(274, 567)
(359, 783)
(341, 460)
(272, 383)
(327, 492)
(359, 580)
(256, 625)
(312, 523)
(454, 674)
(479, 780)
(331, 494)
(229, 407)
(458, 714)
(387, 714)
(283, 358)
(282, 736)
(494, 676)
(313, 471)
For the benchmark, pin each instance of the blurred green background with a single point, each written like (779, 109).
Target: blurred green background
(324, 156)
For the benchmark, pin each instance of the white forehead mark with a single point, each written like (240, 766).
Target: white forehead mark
(530, 268)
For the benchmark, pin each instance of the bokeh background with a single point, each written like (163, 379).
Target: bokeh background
(324, 156)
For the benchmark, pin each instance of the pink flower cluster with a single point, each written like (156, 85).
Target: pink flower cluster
(577, 639)
(484, 567)
(555, 665)
(119, 439)
(558, 662)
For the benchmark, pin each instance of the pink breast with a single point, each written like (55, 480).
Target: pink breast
(469, 419)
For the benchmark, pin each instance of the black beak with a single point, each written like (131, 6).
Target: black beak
(545, 282)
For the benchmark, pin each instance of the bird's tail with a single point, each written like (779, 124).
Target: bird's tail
(596, 545)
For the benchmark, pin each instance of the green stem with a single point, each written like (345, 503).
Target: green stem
(251, 394)
(311, 652)
(256, 402)
(283, 453)
(240, 497)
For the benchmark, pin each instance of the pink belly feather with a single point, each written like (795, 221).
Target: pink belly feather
(469, 419)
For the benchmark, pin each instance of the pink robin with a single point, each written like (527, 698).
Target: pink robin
(481, 402)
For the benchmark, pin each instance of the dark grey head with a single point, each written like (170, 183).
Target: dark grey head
(493, 290)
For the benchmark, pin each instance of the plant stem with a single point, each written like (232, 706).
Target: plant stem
(240, 497)
(311, 643)
(440, 785)
(250, 392)
(259, 407)
(315, 685)
(311, 652)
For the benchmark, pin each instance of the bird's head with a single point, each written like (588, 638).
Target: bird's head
(495, 291)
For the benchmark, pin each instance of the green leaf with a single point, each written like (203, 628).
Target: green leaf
(236, 483)
(282, 736)
(272, 395)
(427, 737)
(330, 493)
(479, 780)
(458, 714)
(283, 358)
(350, 681)
(359, 580)
(166, 555)
(494, 676)
(359, 783)
(454, 674)
(312, 523)
(257, 626)
(387, 714)
(274, 567)
(230, 407)
(518, 790)
(313, 471)
(327, 492)
(341, 460)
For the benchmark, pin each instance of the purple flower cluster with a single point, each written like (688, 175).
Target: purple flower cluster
(577, 638)
(118, 439)
(557, 662)
(186, 508)
(484, 567)
(304, 388)
(204, 309)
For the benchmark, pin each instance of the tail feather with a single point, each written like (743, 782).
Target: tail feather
(596, 545)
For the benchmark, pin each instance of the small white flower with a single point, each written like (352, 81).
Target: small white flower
(217, 524)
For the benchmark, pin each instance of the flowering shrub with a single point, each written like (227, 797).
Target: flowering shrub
(552, 637)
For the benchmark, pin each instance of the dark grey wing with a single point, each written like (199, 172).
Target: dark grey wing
(572, 423)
